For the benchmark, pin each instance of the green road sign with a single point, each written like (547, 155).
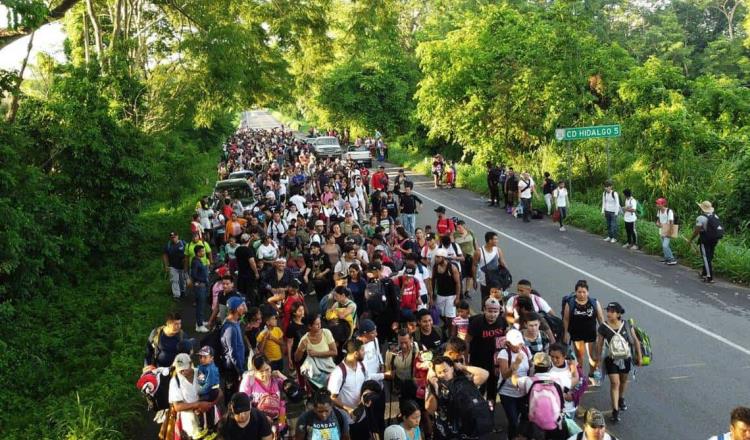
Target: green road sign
(596, 131)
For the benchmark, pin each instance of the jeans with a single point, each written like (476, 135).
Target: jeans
(409, 221)
(563, 213)
(526, 204)
(512, 408)
(548, 202)
(666, 249)
(611, 218)
(201, 300)
(178, 280)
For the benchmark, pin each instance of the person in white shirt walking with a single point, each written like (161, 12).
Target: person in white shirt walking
(739, 425)
(560, 196)
(610, 210)
(665, 222)
(630, 217)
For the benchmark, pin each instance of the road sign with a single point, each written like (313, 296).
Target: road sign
(595, 131)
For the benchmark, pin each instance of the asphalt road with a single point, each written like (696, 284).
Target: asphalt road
(700, 333)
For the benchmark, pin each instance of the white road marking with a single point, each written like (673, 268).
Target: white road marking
(589, 275)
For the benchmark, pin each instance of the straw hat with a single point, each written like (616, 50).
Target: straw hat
(706, 207)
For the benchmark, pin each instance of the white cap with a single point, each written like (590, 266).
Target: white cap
(441, 252)
(514, 337)
(394, 432)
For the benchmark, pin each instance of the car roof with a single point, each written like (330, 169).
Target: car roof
(231, 182)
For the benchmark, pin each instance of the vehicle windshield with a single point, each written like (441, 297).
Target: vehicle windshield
(328, 142)
(360, 148)
(241, 192)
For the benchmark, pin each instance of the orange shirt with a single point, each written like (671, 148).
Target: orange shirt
(233, 226)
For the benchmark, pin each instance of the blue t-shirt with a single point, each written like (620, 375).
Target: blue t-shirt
(333, 428)
(208, 378)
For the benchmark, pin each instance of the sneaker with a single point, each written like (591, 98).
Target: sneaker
(614, 240)
(664, 260)
(201, 329)
(708, 280)
(621, 403)
(607, 238)
(626, 245)
(671, 262)
(562, 229)
(615, 416)
(634, 248)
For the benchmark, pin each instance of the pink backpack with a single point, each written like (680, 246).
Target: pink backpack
(546, 403)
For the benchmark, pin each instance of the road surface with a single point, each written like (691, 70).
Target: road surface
(700, 333)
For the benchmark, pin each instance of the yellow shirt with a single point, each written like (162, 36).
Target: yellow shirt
(271, 350)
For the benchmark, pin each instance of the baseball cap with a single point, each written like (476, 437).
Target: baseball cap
(661, 201)
(319, 223)
(374, 266)
(542, 360)
(440, 209)
(172, 234)
(394, 432)
(492, 303)
(206, 351)
(594, 418)
(514, 337)
(245, 237)
(366, 325)
(234, 303)
(240, 403)
(182, 361)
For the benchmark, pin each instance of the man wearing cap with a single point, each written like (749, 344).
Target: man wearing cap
(484, 339)
(373, 359)
(183, 395)
(245, 421)
(173, 255)
(233, 345)
(665, 223)
(594, 427)
(709, 229)
(317, 235)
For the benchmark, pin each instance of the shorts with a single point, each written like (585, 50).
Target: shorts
(466, 267)
(611, 368)
(446, 306)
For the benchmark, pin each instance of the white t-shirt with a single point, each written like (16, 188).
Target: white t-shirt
(630, 217)
(373, 358)
(508, 389)
(185, 392)
(561, 197)
(524, 383)
(342, 266)
(525, 190)
(269, 252)
(484, 258)
(540, 304)
(349, 393)
(565, 379)
(665, 216)
(299, 201)
(727, 436)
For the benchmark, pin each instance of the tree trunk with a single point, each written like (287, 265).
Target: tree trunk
(97, 32)
(13, 110)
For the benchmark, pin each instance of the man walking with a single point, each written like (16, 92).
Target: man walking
(408, 205)
(526, 188)
(709, 228)
(173, 255)
(233, 345)
(493, 183)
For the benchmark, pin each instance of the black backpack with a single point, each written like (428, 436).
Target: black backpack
(213, 340)
(475, 416)
(714, 231)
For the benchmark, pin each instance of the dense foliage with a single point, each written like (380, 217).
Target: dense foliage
(96, 153)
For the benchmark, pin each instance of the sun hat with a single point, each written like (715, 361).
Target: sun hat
(706, 207)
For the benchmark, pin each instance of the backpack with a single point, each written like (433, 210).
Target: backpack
(474, 414)
(570, 300)
(342, 367)
(714, 231)
(555, 324)
(213, 340)
(150, 384)
(154, 340)
(645, 341)
(546, 404)
(618, 346)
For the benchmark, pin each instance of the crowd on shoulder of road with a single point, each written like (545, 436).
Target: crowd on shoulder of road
(517, 190)
(312, 283)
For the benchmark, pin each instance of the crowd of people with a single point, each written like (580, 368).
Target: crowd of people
(517, 190)
(325, 291)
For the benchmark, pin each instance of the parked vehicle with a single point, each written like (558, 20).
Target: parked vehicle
(244, 174)
(359, 155)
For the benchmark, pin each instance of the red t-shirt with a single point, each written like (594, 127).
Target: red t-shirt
(409, 293)
(445, 226)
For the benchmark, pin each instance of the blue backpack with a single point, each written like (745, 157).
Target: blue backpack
(570, 300)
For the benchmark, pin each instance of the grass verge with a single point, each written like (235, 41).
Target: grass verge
(70, 357)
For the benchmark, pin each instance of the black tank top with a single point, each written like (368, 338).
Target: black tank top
(444, 283)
